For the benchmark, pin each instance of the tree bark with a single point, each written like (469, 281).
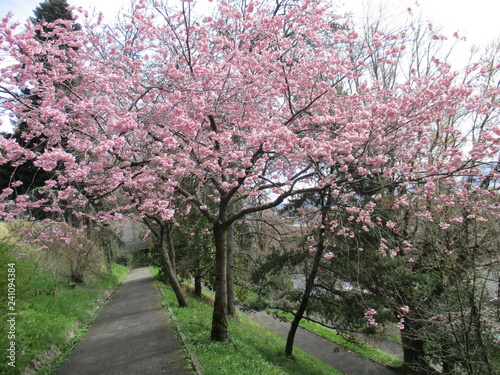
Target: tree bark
(219, 318)
(303, 304)
(197, 273)
(310, 279)
(231, 309)
(170, 243)
(413, 350)
(171, 276)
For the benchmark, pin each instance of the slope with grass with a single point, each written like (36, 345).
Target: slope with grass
(51, 313)
(250, 350)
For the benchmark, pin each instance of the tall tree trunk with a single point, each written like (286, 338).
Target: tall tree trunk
(231, 309)
(448, 362)
(163, 236)
(171, 276)
(219, 318)
(477, 335)
(197, 273)
(170, 243)
(312, 274)
(413, 349)
(303, 303)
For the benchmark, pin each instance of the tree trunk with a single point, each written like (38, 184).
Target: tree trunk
(197, 285)
(171, 276)
(163, 237)
(219, 318)
(310, 279)
(448, 363)
(170, 243)
(231, 309)
(478, 328)
(197, 274)
(303, 303)
(413, 351)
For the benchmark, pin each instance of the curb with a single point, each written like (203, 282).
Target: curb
(192, 358)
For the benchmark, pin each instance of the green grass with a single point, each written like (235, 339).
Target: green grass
(393, 338)
(50, 314)
(364, 349)
(250, 350)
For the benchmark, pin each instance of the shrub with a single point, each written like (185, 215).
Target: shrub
(74, 253)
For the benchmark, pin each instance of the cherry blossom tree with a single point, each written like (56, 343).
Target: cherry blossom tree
(252, 102)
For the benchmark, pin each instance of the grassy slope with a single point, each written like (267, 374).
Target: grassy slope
(51, 315)
(251, 349)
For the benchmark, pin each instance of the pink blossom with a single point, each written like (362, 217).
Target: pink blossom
(391, 224)
(369, 315)
(430, 188)
(444, 225)
(404, 310)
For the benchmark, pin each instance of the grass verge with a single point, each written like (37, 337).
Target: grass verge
(51, 316)
(250, 350)
(364, 349)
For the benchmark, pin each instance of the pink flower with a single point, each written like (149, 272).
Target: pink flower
(369, 314)
(390, 224)
(444, 225)
(430, 188)
(329, 255)
(401, 324)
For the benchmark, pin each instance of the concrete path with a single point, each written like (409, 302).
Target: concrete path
(336, 356)
(130, 336)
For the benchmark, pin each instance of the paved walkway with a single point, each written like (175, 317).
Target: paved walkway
(336, 356)
(130, 336)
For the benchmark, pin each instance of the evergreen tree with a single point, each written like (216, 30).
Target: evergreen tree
(33, 177)
(52, 10)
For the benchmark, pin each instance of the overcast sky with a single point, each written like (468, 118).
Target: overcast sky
(477, 19)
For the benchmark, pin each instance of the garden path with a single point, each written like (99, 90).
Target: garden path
(130, 336)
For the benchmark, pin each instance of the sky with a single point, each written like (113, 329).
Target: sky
(478, 19)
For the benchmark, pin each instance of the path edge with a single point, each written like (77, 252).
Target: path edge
(55, 356)
(192, 357)
(346, 348)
